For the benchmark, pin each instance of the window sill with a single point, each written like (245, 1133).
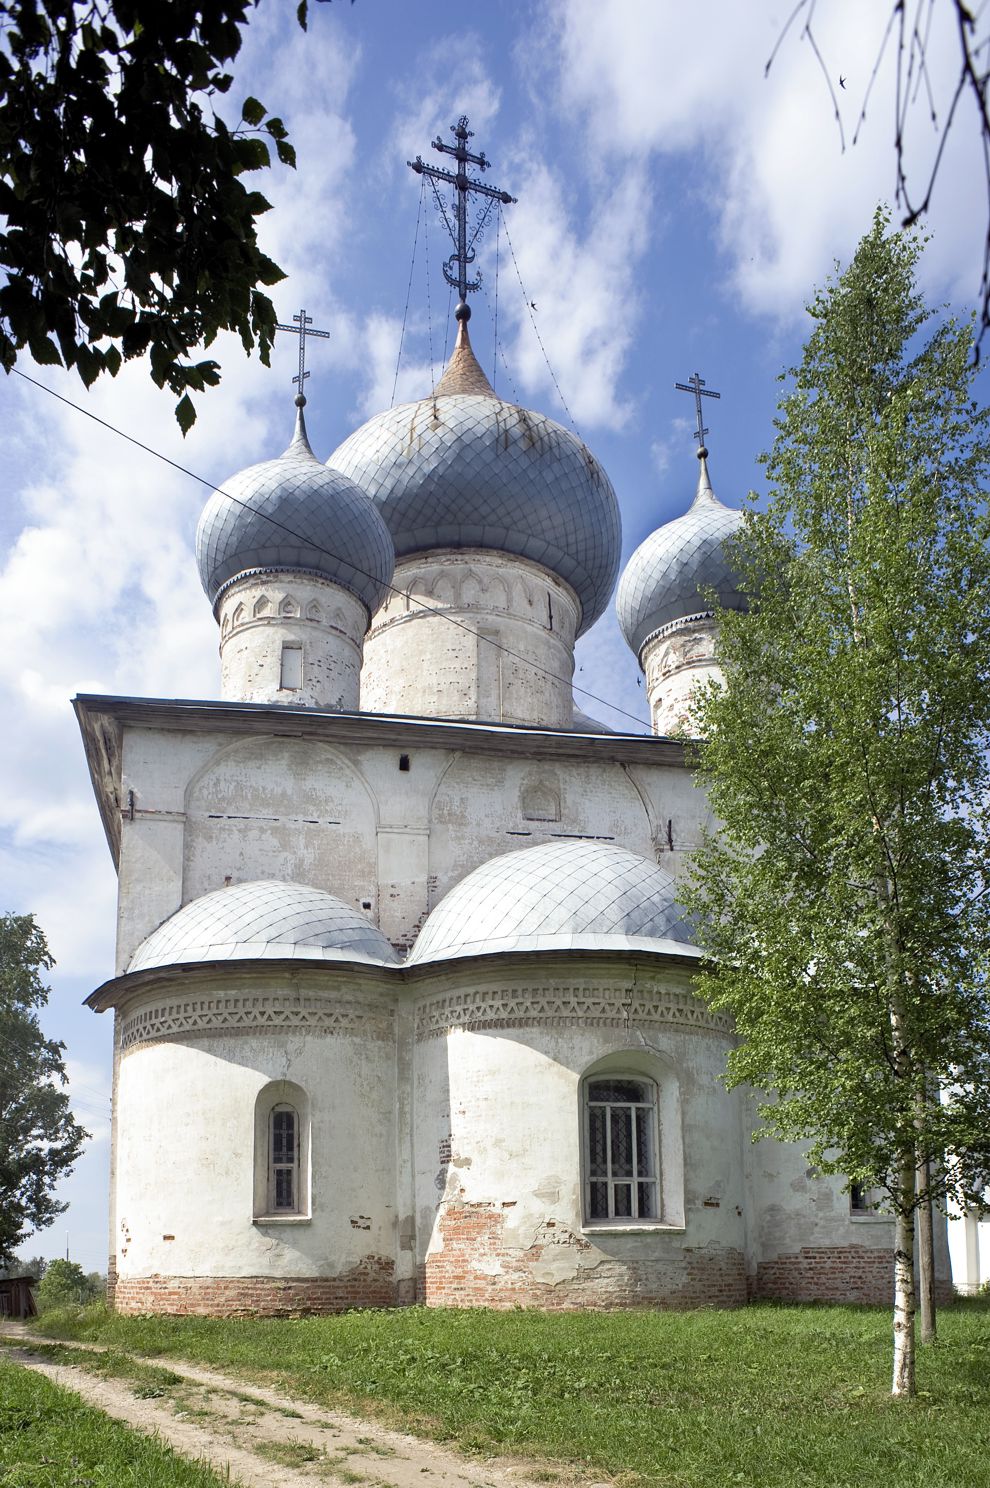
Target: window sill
(282, 1219)
(871, 1219)
(652, 1227)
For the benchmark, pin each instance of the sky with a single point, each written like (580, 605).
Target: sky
(677, 207)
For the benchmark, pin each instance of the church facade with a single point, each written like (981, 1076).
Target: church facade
(404, 1003)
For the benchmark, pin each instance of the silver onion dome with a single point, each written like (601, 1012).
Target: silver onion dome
(462, 469)
(670, 574)
(264, 919)
(558, 896)
(293, 514)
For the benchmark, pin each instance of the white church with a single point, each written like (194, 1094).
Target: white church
(404, 1003)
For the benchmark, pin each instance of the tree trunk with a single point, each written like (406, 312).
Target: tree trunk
(903, 1384)
(926, 1254)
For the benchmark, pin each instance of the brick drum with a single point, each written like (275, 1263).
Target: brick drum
(476, 1268)
(369, 1284)
(837, 1273)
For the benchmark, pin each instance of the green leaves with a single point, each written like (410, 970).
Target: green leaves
(39, 1138)
(115, 170)
(847, 897)
(252, 112)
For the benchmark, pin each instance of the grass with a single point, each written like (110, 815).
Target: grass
(50, 1439)
(764, 1397)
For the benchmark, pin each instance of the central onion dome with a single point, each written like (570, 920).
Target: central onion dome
(558, 896)
(294, 515)
(264, 919)
(670, 575)
(463, 469)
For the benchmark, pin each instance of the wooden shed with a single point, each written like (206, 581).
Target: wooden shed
(17, 1297)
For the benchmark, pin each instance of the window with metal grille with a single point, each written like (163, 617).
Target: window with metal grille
(621, 1149)
(283, 1148)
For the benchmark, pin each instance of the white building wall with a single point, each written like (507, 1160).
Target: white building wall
(186, 1156)
(291, 638)
(417, 662)
(388, 839)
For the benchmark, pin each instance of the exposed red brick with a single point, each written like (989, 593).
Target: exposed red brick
(833, 1273)
(474, 1233)
(369, 1284)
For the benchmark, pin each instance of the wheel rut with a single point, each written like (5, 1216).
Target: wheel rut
(260, 1437)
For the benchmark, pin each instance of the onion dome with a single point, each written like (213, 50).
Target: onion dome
(463, 469)
(266, 920)
(558, 896)
(668, 577)
(293, 514)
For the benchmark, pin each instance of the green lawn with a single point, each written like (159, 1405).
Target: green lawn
(50, 1439)
(765, 1397)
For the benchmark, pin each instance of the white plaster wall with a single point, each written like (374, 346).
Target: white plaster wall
(488, 803)
(795, 1206)
(185, 1155)
(508, 1101)
(969, 1249)
(678, 664)
(346, 818)
(261, 613)
(416, 662)
(285, 809)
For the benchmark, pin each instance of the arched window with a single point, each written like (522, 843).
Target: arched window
(283, 1160)
(622, 1168)
(281, 1153)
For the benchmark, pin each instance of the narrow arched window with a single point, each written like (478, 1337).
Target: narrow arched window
(283, 1160)
(622, 1177)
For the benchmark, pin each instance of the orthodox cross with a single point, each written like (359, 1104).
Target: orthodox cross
(463, 185)
(302, 329)
(696, 385)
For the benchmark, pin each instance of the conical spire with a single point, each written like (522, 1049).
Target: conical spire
(464, 374)
(300, 447)
(704, 491)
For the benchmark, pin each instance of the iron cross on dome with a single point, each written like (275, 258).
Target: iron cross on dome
(302, 328)
(696, 385)
(463, 185)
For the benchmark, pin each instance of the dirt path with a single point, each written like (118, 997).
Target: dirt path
(263, 1438)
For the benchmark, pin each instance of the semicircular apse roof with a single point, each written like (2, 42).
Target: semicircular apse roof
(671, 572)
(558, 896)
(462, 469)
(294, 514)
(264, 919)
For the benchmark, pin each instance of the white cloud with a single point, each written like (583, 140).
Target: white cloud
(647, 80)
(577, 271)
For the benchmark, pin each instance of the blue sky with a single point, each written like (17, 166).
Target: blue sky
(675, 211)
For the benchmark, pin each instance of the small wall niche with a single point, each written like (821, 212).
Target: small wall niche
(540, 801)
(291, 671)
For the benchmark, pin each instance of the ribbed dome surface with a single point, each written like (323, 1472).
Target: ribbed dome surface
(264, 919)
(462, 469)
(667, 576)
(558, 896)
(294, 514)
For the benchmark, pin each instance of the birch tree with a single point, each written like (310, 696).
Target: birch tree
(844, 898)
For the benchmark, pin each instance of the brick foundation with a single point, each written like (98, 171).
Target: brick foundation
(111, 1280)
(476, 1268)
(370, 1284)
(836, 1273)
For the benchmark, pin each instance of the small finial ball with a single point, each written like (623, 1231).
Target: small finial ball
(300, 400)
(463, 311)
(702, 452)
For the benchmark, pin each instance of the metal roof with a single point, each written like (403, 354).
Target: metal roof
(667, 577)
(466, 470)
(295, 514)
(264, 919)
(558, 896)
